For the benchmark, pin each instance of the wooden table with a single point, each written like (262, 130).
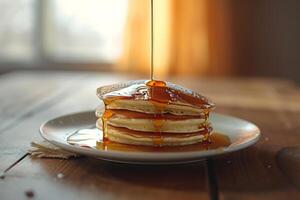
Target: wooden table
(268, 170)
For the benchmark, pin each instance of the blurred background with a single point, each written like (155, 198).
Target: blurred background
(219, 38)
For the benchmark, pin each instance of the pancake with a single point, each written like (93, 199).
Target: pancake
(146, 122)
(153, 113)
(153, 108)
(163, 125)
(131, 114)
(139, 97)
(125, 136)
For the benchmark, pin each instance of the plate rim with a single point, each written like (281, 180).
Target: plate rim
(146, 157)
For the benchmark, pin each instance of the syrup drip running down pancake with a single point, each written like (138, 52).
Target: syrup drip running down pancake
(153, 113)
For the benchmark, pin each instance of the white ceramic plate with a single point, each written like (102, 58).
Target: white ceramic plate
(242, 134)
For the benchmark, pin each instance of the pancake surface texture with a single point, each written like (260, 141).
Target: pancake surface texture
(153, 113)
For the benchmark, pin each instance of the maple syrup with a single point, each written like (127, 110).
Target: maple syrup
(105, 117)
(156, 83)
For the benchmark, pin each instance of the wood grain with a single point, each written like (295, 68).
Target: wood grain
(255, 173)
(86, 178)
(259, 172)
(288, 160)
(24, 110)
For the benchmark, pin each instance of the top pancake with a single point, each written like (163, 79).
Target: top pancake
(160, 97)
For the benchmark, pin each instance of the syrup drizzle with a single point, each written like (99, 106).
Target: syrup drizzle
(158, 123)
(152, 41)
(105, 117)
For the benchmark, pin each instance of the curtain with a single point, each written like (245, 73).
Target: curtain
(191, 37)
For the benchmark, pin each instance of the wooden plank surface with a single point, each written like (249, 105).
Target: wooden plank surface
(270, 169)
(86, 178)
(58, 93)
(255, 173)
(259, 172)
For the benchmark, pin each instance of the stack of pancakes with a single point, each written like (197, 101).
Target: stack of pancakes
(153, 113)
